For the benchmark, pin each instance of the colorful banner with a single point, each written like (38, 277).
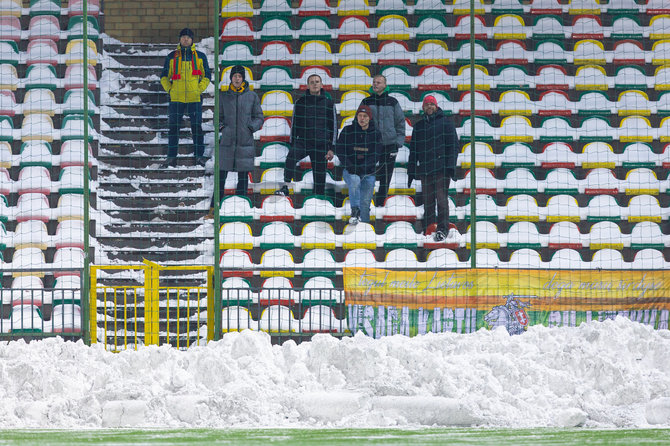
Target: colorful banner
(382, 302)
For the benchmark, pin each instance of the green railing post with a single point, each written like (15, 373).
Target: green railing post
(86, 286)
(473, 182)
(217, 192)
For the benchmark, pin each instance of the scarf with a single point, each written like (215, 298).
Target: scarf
(176, 67)
(238, 90)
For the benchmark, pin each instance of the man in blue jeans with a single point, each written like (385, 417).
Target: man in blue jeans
(185, 77)
(359, 148)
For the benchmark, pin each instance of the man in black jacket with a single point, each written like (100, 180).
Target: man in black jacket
(389, 119)
(313, 133)
(433, 150)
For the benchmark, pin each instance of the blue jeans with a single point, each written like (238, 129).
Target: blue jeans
(176, 111)
(360, 192)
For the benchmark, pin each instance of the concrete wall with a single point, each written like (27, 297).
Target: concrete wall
(158, 21)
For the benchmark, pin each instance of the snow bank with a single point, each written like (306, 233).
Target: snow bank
(610, 374)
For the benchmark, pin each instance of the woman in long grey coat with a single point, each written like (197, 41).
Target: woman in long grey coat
(240, 116)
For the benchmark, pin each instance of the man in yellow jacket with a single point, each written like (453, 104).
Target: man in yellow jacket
(185, 77)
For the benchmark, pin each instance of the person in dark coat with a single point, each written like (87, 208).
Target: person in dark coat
(434, 148)
(389, 119)
(185, 77)
(313, 133)
(359, 148)
(240, 116)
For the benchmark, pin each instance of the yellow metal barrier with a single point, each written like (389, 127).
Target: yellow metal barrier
(115, 308)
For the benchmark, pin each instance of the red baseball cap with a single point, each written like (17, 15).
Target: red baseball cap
(430, 100)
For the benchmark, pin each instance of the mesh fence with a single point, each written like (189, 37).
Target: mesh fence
(306, 138)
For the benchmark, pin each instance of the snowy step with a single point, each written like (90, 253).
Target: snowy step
(151, 242)
(160, 256)
(166, 216)
(152, 201)
(185, 169)
(150, 188)
(148, 228)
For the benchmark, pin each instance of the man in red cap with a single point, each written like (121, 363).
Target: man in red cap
(434, 148)
(358, 148)
(185, 77)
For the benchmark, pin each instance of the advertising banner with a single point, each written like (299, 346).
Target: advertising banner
(383, 302)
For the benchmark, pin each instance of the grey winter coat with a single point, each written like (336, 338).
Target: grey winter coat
(240, 116)
(388, 117)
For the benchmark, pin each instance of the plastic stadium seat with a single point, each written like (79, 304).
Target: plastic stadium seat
(69, 234)
(587, 27)
(566, 235)
(278, 319)
(432, 27)
(393, 27)
(321, 319)
(276, 8)
(277, 103)
(645, 208)
(399, 208)
(277, 208)
(277, 258)
(524, 258)
(641, 181)
(34, 179)
(431, 77)
(31, 234)
(9, 79)
(629, 52)
(26, 290)
(353, 28)
(561, 181)
(395, 52)
(73, 103)
(552, 52)
(75, 28)
(65, 318)
(620, 7)
(558, 154)
(487, 236)
(68, 260)
(74, 52)
(361, 258)
(401, 259)
(401, 234)
(72, 153)
(5, 155)
(553, 77)
(649, 259)
(276, 235)
(30, 258)
(8, 106)
(277, 78)
(26, 319)
(591, 77)
(320, 262)
(546, 7)
(640, 155)
(632, 77)
(522, 208)
(483, 129)
(509, 26)
(589, 52)
(512, 52)
(237, 29)
(520, 181)
(9, 52)
(39, 100)
(45, 7)
(236, 291)
(608, 259)
(350, 101)
(70, 206)
(515, 103)
(633, 102)
(37, 126)
(626, 26)
(648, 235)
(597, 129)
(275, 129)
(236, 208)
(11, 8)
(601, 181)
(358, 236)
(605, 235)
(236, 235)
(276, 53)
(555, 103)
(10, 28)
(314, 7)
(317, 208)
(444, 258)
(236, 263)
(524, 234)
(659, 27)
(487, 258)
(318, 235)
(549, 27)
(315, 52)
(74, 78)
(660, 52)
(7, 185)
(432, 52)
(354, 77)
(237, 8)
(315, 28)
(354, 52)
(599, 154)
(484, 156)
(76, 7)
(595, 103)
(320, 290)
(236, 318)
(482, 55)
(513, 78)
(273, 29)
(277, 291)
(517, 129)
(353, 8)
(73, 128)
(326, 78)
(517, 155)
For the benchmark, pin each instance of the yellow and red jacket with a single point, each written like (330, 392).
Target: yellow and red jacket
(185, 75)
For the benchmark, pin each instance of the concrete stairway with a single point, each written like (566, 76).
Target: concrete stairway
(146, 212)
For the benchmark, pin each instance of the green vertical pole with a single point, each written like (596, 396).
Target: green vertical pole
(86, 285)
(473, 183)
(217, 192)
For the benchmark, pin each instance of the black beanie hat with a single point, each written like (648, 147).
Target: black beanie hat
(238, 69)
(186, 32)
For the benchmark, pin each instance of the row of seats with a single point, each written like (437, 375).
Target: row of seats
(45, 51)
(552, 78)
(433, 51)
(43, 100)
(245, 8)
(562, 234)
(43, 76)
(35, 206)
(33, 233)
(279, 262)
(49, 7)
(30, 290)
(40, 153)
(403, 208)
(397, 27)
(39, 126)
(66, 261)
(27, 319)
(511, 102)
(281, 319)
(47, 27)
(318, 290)
(37, 179)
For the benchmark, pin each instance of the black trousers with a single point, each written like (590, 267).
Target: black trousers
(317, 156)
(435, 191)
(242, 184)
(385, 172)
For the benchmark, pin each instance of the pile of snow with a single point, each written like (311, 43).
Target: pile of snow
(609, 374)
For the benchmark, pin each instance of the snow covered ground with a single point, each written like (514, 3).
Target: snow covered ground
(613, 374)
